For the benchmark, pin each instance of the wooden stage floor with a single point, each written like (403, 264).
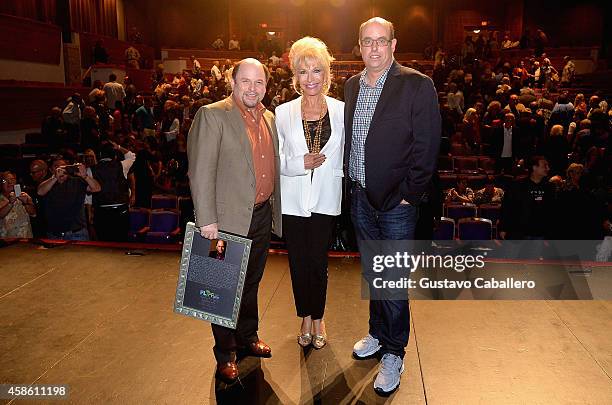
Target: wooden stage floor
(103, 323)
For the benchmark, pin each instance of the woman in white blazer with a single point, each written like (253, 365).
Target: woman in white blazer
(311, 146)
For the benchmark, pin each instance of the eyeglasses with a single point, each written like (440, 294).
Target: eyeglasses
(368, 42)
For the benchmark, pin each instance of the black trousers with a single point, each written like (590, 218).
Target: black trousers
(228, 341)
(112, 223)
(307, 241)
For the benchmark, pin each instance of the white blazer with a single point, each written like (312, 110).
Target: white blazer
(301, 194)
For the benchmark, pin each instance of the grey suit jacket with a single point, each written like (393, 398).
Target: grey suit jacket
(221, 172)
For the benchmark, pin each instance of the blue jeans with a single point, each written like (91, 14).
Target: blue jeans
(80, 235)
(389, 319)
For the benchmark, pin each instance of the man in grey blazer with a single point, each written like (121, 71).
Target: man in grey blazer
(234, 174)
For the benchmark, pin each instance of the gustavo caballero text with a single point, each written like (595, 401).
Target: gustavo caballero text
(480, 282)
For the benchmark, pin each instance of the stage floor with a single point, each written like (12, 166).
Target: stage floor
(103, 323)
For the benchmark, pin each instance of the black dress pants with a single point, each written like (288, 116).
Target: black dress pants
(228, 341)
(307, 241)
(112, 224)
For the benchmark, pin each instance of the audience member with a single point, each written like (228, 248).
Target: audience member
(461, 193)
(234, 44)
(16, 208)
(218, 44)
(489, 194)
(64, 194)
(114, 91)
(111, 203)
(132, 57)
(100, 55)
(526, 207)
(568, 72)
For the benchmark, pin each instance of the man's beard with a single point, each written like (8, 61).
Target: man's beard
(250, 103)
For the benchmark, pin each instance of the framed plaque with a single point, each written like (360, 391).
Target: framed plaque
(211, 277)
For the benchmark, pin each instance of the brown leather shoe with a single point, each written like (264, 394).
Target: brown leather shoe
(260, 349)
(228, 372)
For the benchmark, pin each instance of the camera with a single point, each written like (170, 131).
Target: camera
(71, 170)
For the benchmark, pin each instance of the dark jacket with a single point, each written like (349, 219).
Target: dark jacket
(497, 142)
(402, 145)
(527, 209)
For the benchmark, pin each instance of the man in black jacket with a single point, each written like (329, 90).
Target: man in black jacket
(393, 130)
(527, 205)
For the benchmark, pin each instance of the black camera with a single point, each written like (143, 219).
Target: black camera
(71, 170)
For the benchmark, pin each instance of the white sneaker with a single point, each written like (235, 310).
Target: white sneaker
(366, 347)
(388, 377)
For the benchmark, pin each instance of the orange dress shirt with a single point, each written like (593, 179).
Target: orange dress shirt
(262, 148)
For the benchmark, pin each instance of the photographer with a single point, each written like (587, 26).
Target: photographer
(111, 204)
(16, 208)
(39, 172)
(64, 204)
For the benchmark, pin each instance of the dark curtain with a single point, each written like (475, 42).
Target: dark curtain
(94, 16)
(39, 10)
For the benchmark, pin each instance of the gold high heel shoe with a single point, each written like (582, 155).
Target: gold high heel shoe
(319, 341)
(304, 339)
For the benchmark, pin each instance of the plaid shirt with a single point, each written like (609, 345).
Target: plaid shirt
(364, 111)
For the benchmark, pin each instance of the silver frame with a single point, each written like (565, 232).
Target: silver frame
(182, 279)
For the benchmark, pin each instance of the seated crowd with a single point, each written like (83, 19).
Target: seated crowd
(518, 115)
(115, 148)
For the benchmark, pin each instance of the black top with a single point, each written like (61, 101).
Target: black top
(526, 209)
(325, 130)
(64, 206)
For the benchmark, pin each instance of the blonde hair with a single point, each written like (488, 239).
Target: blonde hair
(556, 130)
(574, 168)
(469, 113)
(309, 48)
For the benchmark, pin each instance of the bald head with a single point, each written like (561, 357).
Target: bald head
(252, 62)
(249, 79)
(378, 20)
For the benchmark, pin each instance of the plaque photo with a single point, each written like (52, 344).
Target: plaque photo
(211, 277)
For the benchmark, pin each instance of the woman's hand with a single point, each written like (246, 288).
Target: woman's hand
(25, 199)
(313, 160)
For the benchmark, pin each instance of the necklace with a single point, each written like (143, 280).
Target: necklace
(314, 142)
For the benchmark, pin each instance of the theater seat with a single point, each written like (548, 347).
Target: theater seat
(458, 149)
(164, 201)
(35, 138)
(475, 229)
(445, 164)
(459, 211)
(486, 165)
(9, 163)
(163, 228)
(447, 181)
(34, 149)
(139, 223)
(10, 150)
(466, 164)
(445, 229)
(476, 181)
(490, 211)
